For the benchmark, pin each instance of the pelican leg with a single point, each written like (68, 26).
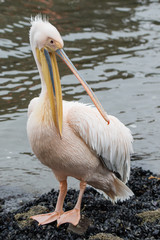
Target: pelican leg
(53, 216)
(73, 216)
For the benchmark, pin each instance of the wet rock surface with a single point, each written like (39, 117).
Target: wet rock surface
(102, 218)
(150, 216)
(105, 236)
(24, 220)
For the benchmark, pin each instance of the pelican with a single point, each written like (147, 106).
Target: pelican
(72, 138)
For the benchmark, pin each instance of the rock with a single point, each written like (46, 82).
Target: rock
(23, 219)
(105, 236)
(150, 216)
(2, 201)
(82, 226)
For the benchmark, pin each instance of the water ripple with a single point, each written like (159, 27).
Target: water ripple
(114, 44)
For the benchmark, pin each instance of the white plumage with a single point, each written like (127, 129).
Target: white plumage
(112, 142)
(89, 149)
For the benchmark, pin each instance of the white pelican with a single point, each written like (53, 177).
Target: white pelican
(78, 140)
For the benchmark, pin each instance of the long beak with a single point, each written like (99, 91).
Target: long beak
(63, 56)
(52, 79)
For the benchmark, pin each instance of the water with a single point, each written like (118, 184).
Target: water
(116, 47)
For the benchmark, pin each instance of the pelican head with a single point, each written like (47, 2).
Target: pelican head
(46, 43)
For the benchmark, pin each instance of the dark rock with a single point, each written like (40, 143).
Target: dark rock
(122, 219)
(82, 226)
(2, 201)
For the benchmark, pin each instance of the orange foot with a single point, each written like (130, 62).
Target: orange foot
(72, 216)
(47, 218)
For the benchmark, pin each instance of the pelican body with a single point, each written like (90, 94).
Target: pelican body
(71, 138)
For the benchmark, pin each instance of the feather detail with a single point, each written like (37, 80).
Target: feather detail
(112, 142)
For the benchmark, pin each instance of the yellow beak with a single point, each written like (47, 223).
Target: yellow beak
(52, 79)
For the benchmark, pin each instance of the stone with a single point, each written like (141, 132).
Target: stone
(105, 236)
(150, 216)
(82, 226)
(24, 220)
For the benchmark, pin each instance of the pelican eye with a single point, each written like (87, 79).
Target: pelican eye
(52, 44)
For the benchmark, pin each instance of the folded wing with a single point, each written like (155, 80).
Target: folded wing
(112, 143)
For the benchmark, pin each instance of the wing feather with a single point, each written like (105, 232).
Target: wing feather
(112, 142)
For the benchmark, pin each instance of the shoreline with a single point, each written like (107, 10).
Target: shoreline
(101, 219)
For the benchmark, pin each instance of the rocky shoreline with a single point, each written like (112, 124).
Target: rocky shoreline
(136, 218)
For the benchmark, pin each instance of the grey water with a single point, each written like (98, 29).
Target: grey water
(116, 47)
